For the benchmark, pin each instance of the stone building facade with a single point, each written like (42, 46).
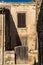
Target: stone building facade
(16, 33)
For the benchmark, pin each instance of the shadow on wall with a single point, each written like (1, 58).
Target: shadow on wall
(40, 33)
(11, 35)
(35, 64)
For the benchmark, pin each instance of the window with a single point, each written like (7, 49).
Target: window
(21, 20)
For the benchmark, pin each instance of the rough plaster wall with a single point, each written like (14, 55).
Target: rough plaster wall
(38, 4)
(30, 30)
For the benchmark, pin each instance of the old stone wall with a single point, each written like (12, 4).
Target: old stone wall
(30, 30)
(29, 33)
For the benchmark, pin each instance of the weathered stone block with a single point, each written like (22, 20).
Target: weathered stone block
(21, 55)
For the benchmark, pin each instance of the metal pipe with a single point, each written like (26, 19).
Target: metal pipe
(2, 37)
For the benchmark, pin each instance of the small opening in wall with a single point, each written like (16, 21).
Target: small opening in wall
(21, 20)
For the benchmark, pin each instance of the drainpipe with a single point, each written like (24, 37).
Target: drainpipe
(2, 36)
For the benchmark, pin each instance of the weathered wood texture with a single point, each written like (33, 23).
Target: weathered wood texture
(21, 55)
